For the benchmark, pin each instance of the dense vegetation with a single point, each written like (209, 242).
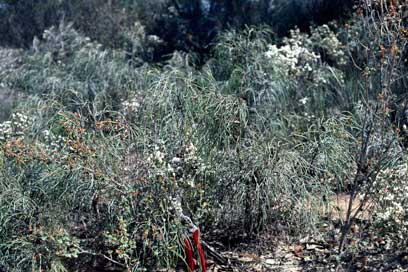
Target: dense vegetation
(102, 150)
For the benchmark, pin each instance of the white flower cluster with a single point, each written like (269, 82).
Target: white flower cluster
(299, 56)
(293, 58)
(14, 128)
(157, 157)
(193, 164)
(391, 189)
(327, 41)
(184, 167)
(55, 143)
(131, 106)
(156, 163)
(190, 155)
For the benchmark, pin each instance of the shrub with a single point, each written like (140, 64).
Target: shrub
(390, 190)
(261, 135)
(78, 73)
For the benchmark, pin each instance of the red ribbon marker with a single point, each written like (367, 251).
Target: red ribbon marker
(189, 254)
(196, 238)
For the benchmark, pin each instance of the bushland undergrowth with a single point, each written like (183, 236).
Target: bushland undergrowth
(97, 154)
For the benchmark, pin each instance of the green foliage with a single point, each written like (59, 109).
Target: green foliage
(78, 72)
(104, 155)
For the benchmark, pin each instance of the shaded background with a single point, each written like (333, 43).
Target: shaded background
(187, 25)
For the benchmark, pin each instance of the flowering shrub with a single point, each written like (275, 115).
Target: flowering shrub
(293, 59)
(260, 135)
(326, 41)
(15, 127)
(311, 62)
(392, 196)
